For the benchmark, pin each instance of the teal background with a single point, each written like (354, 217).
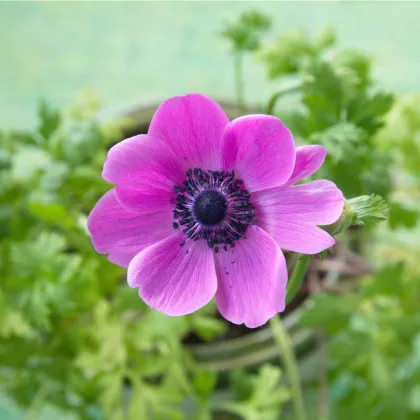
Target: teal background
(142, 52)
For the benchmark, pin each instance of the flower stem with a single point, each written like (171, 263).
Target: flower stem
(297, 276)
(314, 288)
(284, 344)
(239, 82)
(290, 88)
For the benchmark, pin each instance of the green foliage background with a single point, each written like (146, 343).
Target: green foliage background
(74, 336)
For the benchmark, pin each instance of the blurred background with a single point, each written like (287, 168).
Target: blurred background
(77, 77)
(153, 50)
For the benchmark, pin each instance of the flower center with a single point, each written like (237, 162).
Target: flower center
(210, 207)
(213, 206)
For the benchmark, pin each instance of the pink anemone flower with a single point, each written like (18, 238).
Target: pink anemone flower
(202, 207)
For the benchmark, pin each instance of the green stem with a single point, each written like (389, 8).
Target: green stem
(297, 276)
(293, 87)
(33, 410)
(284, 344)
(239, 82)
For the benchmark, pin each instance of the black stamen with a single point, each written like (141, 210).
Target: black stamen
(210, 207)
(213, 206)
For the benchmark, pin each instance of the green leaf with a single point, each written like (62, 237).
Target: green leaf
(244, 33)
(137, 408)
(36, 306)
(204, 383)
(6, 215)
(241, 383)
(367, 209)
(51, 213)
(267, 392)
(47, 245)
(5, 159)
(345, 349)
(50, 119)
(110, 397)
(322, 94)
(127, 298)
(27, 162)
(255, 20)
(163, 401)
(388, 281)
(415, 399)
(341, 140)
(207, 327)
(380, 374)
(325, 38)
(368, 111)
(14, 324)
(164, 327)
(327, 311)
(356, 62)
(401, 132)
(401, 216)
(266, 396)
(286, 53)
(54, 178)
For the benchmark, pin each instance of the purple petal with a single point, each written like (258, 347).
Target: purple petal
(144, 164)
(173, 279)
(308, 160)
(290, 215)
(306, 239)
(154, 201)
(318, 202)
(122, 234)
(192, 126)
(261, 150)
(252, 280)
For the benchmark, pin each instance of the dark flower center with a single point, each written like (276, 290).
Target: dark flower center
(214, 206)
(210, 207)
